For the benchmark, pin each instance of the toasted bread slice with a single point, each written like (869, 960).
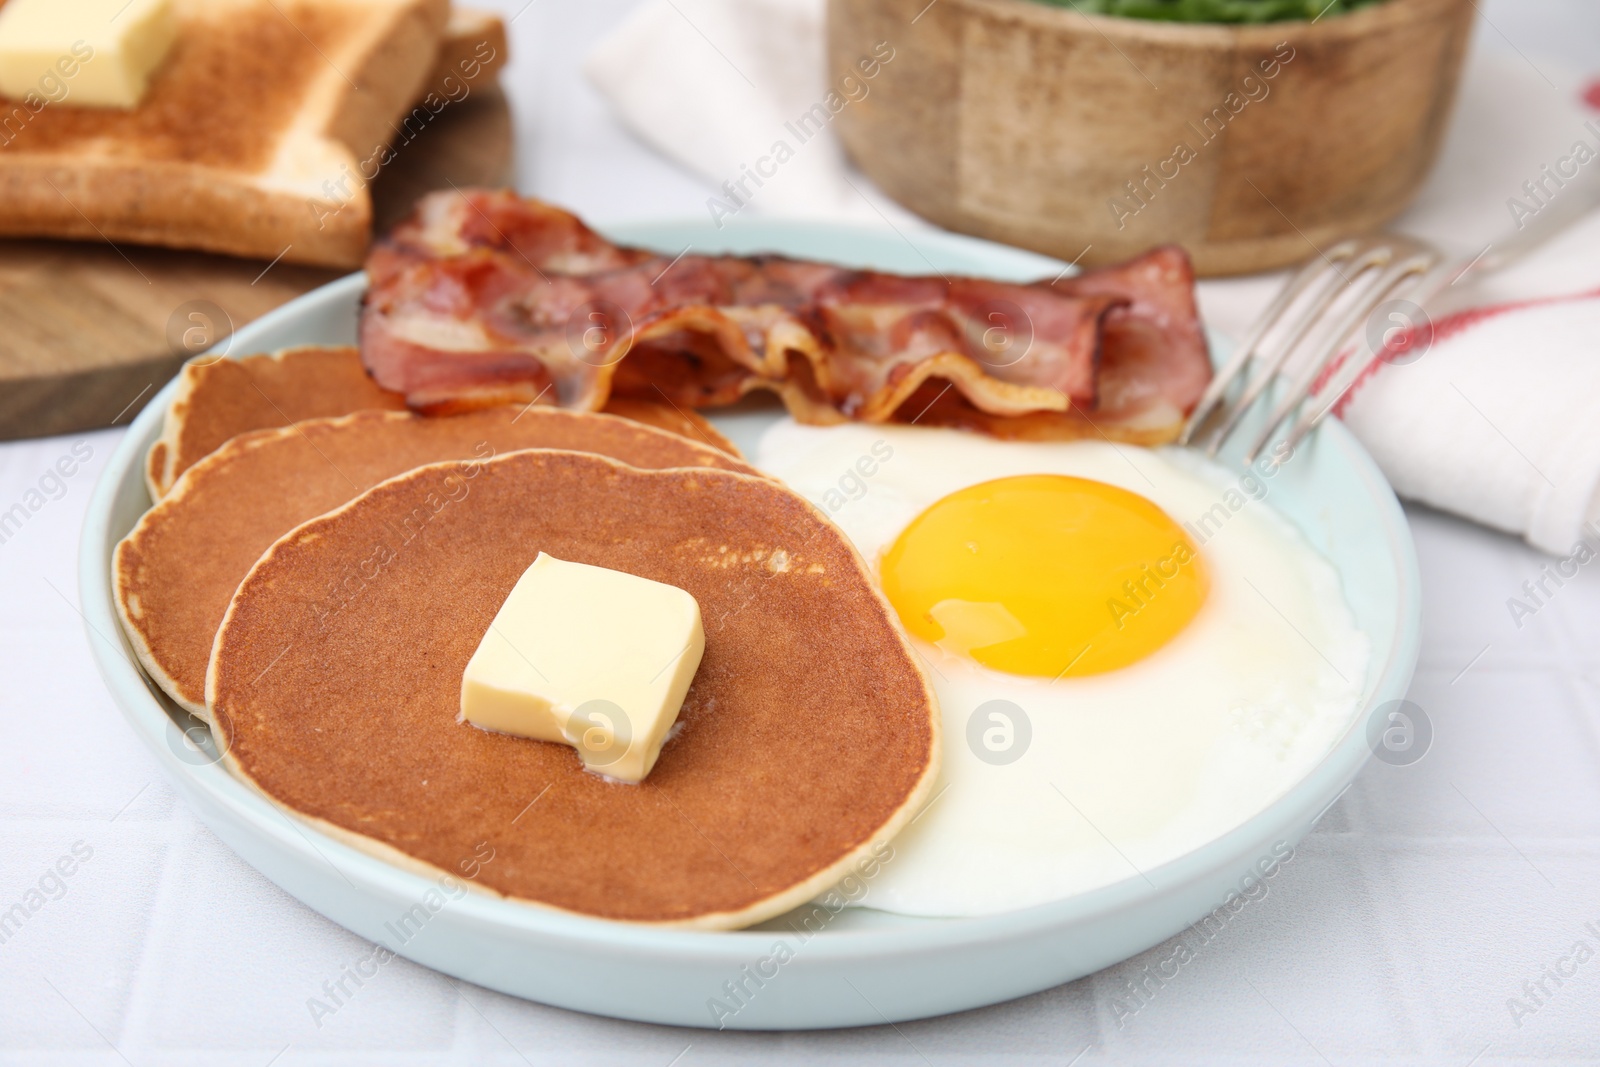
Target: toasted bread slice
(473, 49)
(251, 139)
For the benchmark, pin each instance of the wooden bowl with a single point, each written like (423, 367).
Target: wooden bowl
(1096, 137)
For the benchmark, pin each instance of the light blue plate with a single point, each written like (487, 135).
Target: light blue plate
(864, 967)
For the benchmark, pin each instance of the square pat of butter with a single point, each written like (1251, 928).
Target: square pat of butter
(87, 53)
(590, 657)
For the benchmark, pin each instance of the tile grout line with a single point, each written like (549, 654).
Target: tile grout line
(1392, 909)
(1585, 704)
(149, 968)
(465, 1048)
(1568, 657)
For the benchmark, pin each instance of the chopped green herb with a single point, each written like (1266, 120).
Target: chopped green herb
(1215, 10)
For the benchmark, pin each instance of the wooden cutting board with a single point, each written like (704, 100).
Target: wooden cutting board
(89, 332)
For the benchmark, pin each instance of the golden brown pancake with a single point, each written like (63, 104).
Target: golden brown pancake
(177, 569)
(809, 735)
(221, 398)
(685, 422)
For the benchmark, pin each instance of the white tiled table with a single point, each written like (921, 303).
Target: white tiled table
(1422, 903)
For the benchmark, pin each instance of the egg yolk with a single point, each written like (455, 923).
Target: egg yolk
(1045, 575)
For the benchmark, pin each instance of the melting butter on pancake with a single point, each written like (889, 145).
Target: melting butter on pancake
(220, 398)
(809, 736)
(177, 569)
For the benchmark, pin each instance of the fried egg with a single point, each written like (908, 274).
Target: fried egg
(1133, 653)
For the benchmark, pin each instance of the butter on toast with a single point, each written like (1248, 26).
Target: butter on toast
(246, 141)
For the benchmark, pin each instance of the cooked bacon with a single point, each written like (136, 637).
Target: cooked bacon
(484, 297)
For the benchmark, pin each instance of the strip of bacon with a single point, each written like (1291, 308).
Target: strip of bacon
(484, 297)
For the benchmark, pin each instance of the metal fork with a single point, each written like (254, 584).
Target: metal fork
(1321, 311)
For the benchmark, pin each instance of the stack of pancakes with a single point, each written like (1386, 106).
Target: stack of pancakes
(320, 564)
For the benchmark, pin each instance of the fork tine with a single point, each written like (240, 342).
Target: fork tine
(1333, 343)
(1270, 368)
(1242, 355)
(1312, 413)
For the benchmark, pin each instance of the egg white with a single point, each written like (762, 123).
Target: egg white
(1124, 770)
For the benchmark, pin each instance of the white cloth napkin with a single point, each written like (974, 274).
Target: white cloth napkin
(1496, 423)
(711, 83)
(1498, 420)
